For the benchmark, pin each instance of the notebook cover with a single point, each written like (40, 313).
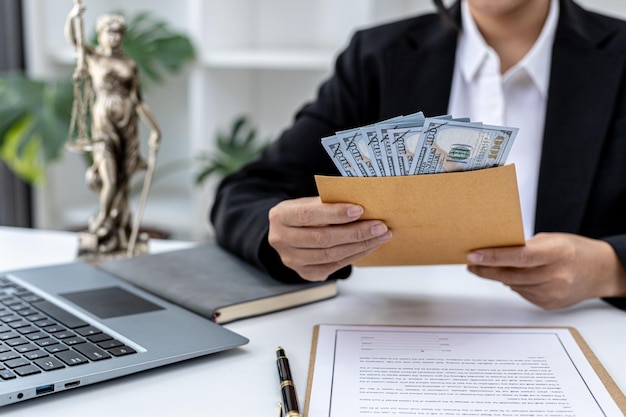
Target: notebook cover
(206, 280)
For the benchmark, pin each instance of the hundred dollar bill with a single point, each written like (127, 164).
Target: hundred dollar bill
(340, 156)
(379, 156)
(386, 142)
(356, 145)
(404, 142)
(382, 157)
(447, 146)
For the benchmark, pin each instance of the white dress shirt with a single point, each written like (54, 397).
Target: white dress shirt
(516, 98)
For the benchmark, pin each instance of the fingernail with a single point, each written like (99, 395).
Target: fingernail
(355, 211)
(475, 257)
(378, 229)
(385, 237)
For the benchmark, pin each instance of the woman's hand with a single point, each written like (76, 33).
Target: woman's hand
(554, 270)
(316, 239)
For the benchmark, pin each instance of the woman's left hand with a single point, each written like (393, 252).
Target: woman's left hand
(554, 270)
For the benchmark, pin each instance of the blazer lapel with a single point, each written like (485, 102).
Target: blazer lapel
(424, 72)
(578, 115)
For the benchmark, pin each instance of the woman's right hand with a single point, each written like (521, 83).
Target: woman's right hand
(316, 239)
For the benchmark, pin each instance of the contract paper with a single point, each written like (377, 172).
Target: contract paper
(455, 371)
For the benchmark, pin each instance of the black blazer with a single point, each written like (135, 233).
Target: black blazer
(407, 66)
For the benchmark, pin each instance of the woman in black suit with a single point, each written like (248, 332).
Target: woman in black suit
(269, 212)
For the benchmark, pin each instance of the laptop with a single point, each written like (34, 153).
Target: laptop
(70, 325)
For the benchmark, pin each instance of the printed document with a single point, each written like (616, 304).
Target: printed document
(454, 371)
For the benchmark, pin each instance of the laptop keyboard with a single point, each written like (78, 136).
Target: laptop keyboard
(38, 336)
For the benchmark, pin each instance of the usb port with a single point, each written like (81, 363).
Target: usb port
(72, 384)
(44, 389)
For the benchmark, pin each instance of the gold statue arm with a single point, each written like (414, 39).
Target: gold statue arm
(75, 34)
(146, 116)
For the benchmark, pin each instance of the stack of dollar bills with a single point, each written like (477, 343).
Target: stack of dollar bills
(414, 144)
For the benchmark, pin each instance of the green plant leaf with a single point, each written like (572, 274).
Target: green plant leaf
(9, 117)
(175, 50)
(206, 173)
(34, 119)
(234, 150)
(24, 160)
(57, 100)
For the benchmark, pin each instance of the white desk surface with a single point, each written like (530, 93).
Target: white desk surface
(244, 381)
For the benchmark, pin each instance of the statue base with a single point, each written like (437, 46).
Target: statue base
(90, 248)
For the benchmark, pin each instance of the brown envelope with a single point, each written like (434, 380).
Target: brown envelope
(435, 218)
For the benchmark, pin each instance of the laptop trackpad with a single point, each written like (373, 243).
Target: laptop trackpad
(111, 302)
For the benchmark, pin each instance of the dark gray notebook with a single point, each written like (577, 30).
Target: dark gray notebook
(215, 284)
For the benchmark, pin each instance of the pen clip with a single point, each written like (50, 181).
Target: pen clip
(280, 409)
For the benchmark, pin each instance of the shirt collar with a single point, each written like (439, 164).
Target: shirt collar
(473, 51)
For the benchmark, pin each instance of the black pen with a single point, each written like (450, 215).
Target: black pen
(287, 387)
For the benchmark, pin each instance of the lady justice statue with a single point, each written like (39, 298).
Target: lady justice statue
(105, 117)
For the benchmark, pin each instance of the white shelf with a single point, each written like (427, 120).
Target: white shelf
(278, 59)
(265, 59)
